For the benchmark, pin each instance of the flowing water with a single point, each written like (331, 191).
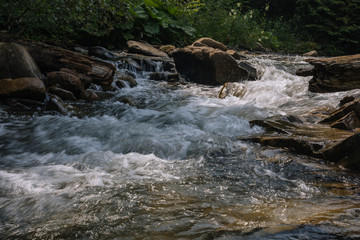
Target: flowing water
(172, 167)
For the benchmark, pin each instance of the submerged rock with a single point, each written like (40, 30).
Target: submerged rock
(130, 80)
(20, 77)
(165, 76)
(335, 74)
(127, 100)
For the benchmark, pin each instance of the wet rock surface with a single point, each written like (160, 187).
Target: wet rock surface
(334, 139)
(19, 75)
(207, 65)
(335, 74)
(50, 58)
(101, 52)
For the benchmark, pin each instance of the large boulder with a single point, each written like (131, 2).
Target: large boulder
(335, 74)
(206, 65)
(19, 74)
(145, 49)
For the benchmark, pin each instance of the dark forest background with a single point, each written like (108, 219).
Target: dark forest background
(293, 26)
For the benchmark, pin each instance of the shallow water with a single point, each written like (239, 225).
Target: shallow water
(172, 167)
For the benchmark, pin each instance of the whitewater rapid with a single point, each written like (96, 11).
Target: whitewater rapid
(172, 167)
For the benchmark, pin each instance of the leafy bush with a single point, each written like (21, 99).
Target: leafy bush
(334, 24)
(234, 27)
(106, 22)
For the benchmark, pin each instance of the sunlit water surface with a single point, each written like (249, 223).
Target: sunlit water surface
(172, 167)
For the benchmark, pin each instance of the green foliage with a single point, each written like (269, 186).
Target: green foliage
(334, 24)
(107, 22)
(229, 23)
(158, 21)
(329, 26)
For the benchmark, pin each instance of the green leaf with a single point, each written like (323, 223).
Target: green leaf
(140, 12)
(128, 36)
(150, 3)
(153, 13)
(151, 28)
(126, 25)
(189, 30)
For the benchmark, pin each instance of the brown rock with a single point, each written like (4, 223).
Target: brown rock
(62, 93)
(165, 76)
(168, 49)
(101, 52)
(235, 54)
(346, 99)
(16, 62)
(311, 54)
(55, 104)
(120, 84)
(67, 81)
(210, 43)
(86, 80)
(29, 88)
(305, 72)
(335, 74)
(130, 80)
(344, 110)
(145, 49)
(127, 100)
(315, 140)
(89, 95)
(349, 122)
(50, 58)
(207, 65)
(19, 74)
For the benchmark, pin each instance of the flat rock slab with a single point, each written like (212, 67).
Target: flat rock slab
(315, 140)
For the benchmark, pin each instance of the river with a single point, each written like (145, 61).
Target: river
(173, 168)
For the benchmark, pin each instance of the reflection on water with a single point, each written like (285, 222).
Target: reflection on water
(172, 167)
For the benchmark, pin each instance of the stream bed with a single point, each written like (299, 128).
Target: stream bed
(172, 166)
